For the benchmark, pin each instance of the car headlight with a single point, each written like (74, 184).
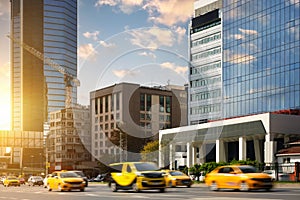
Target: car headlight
(139, 174)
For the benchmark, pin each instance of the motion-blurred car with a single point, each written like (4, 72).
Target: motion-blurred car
(241, 177)
(2, 179)
(175, 178)
(22, 181)
(35, 180)
(45, 180)
(11, 181)
(65, 181)
(82, 175)
(281, 176)
(136, 176)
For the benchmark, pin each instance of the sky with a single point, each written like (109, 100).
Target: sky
(136, 41)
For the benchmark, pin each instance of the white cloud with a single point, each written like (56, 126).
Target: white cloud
(126, 6)
(124, 72)
(242, 58)
(169, 12)
(152, 38)
(248, 31)
(105, 44)
(238, 36)
(166, 12)
(106, 2)
(176, 68)
(295, 2)
(92, 35)
(87, 51)
(148, 54)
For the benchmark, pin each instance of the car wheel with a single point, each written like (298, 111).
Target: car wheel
(114, 187)
(162, 190)
(214, 186)
(244, 187)
(188, 186)
(170, 184)
(60, 188)
(82, 190)
(135, 187)
(48, 187)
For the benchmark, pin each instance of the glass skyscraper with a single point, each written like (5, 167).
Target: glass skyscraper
(261, 56)
(49, 26)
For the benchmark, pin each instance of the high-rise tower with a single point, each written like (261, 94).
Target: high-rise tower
(49, 26)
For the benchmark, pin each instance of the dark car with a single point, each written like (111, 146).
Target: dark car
(83, 176)
(35, 180)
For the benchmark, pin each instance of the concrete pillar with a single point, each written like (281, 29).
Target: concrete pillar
(270, 149)
(189, 154)
(220, 151)
(242, 148)
(257, 150)
(161, 159)
(171, 157)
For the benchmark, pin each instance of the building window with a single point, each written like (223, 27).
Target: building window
(112, 103)
(161, 103)
(168, 104)
(106, 104)
(118, 101)
(149, 102)
(142, 102)
(101, 105)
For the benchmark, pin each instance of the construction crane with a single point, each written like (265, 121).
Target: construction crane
(68, 78)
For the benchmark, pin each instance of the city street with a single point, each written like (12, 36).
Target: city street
(101, 191)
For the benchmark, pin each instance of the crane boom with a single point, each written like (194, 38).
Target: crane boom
(68, 78)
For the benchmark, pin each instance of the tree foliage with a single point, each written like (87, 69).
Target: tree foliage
(150, 151)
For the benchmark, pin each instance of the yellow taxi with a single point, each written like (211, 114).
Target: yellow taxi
(136, 176)
(11, 181)
(65, 181)
(241, 177)
(175, 178)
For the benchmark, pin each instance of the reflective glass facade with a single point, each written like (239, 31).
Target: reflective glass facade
(261, 56)
(60, 44)
(49, 26)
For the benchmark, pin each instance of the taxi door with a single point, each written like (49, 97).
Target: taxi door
(128, 175)
(231, 178)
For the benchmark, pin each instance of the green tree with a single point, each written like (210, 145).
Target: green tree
(150, 151)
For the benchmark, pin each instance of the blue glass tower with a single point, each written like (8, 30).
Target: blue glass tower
(49, 26)
(261, 56)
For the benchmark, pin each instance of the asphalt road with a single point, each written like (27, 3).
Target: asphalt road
(100, 191)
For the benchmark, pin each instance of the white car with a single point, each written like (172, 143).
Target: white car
(45, 180)
(281, 176)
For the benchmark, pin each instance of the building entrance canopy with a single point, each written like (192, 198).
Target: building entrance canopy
(215, 133)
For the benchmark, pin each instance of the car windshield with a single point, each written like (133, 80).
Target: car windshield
(80, 174)
(176, 173)
(146, 167)
(248, 169)
(69, 175)
(37, 178)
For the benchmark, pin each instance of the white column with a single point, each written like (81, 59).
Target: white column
(160, 156)
(242, 148)
(189, 154)
(220, 151)
(270, 149)
(171, 156)
(257, 150)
